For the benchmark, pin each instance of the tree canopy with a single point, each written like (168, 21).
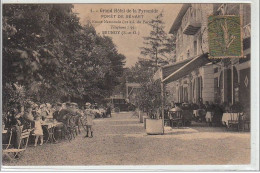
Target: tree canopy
(148, 96)
(48, 52)
(158, 46)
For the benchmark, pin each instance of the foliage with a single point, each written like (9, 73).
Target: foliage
(101, 67)
(148, 97)
(13, 96)
(48, 52)
(158, 45)
(140, 73)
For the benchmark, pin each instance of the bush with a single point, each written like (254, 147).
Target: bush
(14, 95)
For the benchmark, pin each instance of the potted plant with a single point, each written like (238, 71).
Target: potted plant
(149, 100)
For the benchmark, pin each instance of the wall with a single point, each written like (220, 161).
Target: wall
(207, 74)
(185, 43)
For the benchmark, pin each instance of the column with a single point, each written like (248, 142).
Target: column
(224, 85)
(232, 85)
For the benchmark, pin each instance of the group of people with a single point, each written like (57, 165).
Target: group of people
(32, 116)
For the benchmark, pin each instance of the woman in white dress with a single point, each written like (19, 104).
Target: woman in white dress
(38, 130)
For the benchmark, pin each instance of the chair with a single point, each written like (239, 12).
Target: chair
(177, 120)
(12, 153)
(167, 121)
(73, 126)
(7, 145)
(245, 122)
(236, 123)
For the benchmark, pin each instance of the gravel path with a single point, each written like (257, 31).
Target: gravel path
(121, 140)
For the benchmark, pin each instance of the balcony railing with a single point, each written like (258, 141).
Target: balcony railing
(191, 28)
(191, 22)
(247, 31)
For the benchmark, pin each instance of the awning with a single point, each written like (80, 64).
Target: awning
(165, 71)
(169, 69)
(187, 68)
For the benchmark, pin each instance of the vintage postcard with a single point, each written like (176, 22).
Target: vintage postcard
(129, 85)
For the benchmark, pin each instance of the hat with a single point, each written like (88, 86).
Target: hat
(74, 104)
(58, 104)
(42, 105)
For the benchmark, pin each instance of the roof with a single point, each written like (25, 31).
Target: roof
(177, 23)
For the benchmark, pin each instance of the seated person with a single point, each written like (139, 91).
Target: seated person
(63, 113)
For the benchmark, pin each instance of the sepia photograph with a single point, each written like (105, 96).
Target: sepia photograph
(99, 84)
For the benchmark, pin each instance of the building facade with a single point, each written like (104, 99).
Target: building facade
(192, 78)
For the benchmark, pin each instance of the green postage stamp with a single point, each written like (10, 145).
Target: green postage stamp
(224, 35)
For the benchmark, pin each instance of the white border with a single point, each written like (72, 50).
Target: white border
(254, 98)
(255, 84)
(130, 1)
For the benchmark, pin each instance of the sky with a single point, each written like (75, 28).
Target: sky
(127, 44)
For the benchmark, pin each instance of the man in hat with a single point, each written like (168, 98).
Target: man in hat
(90, 116)
(58, 108)
(74, 109)
(63, 113)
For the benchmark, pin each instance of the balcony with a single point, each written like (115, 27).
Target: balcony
(191, 28)
(191, 21)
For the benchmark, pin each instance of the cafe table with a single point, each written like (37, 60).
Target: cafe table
(209, 116)
(4, 131)
(48, 131)
(197, 112)
(229, 117)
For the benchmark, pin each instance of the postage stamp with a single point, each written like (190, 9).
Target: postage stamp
(225, 36)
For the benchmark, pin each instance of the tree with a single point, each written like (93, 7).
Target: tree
(148, 97)
(100, 64)
(53, 57)
(35, 44)
(157, 45)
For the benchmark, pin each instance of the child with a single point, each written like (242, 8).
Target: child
(38, 130)
(90, 117)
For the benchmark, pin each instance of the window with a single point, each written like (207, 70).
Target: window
(199, 44)
(217, 97)
(193, 89)
(195, 47)
(188, 53)
(195, 11)
(201, 86)
(191, 12)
